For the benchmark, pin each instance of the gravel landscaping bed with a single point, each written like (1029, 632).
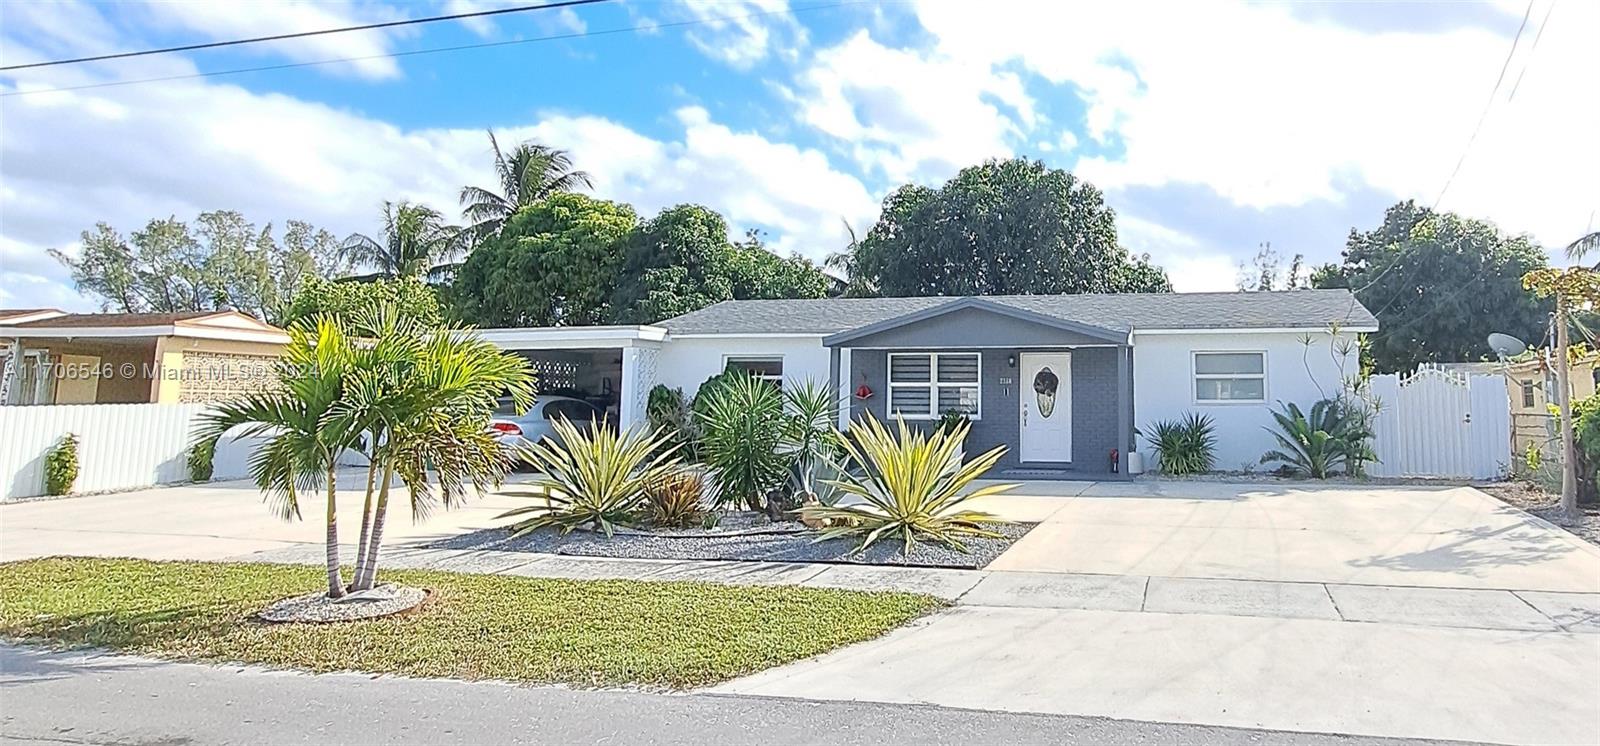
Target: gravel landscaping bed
(381, 601)
(1536, 500)
(751, 540)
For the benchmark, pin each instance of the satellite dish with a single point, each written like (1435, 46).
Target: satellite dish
(1506, 346)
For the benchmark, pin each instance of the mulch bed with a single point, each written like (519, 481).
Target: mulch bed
(1536, 500)
(742, 537)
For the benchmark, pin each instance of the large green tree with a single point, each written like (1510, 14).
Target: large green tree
(1439, 285)
(344, 299)
(529, 173)
(219, 260)
(1011, 226)
(681, 260)
(553, 263)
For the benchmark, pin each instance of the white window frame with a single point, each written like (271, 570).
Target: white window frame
(932, 385)
(1195, 376)
(777, 380)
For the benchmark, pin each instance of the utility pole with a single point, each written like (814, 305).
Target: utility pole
(1569, 452)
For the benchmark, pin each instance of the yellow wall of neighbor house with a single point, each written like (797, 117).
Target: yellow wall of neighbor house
(204, 370)
(76, 378)
(1530, 386)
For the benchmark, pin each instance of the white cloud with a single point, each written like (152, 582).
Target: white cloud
(744, 32)
(127, 155)
(912, 115)
(270, 17)
(1269, 108)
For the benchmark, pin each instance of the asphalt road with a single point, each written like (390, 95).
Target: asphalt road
(87, 698)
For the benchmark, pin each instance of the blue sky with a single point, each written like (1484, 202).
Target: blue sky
(1211, 126)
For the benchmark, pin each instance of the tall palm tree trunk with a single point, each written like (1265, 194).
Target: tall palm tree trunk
(1569, 453)
(367, 575)
(335, 587)
(366, 517)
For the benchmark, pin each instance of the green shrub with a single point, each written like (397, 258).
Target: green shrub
(1338, 433)
(913, 485)
(1186, 446)
(704, 394)
(668, 413)
(202, 460)
(596, 478)
(676, 500)
(61, 466)
(742, 425)
(953, 418)
(1586, 436)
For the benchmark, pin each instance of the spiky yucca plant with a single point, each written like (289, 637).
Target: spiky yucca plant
(596, 478)
(1186, 446)
(912, 485)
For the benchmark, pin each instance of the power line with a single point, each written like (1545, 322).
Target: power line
(301, 34)
(1543, 22)
(435, 50)
(1493, 93)
(1486, 106)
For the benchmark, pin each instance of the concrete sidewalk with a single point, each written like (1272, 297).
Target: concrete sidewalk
(1469, 608)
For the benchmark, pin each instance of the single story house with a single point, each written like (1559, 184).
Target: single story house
(52, 357)
(1061, 380)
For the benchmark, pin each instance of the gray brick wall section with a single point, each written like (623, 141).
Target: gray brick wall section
(1094, 403)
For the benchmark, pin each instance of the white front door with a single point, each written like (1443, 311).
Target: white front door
(1045, 397)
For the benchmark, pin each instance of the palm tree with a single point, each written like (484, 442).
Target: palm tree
(529, 173)
(303, 442)
(415, 238)
(423, 397)
(1580, 248)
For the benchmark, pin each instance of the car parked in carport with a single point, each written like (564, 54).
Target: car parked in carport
(516, 430)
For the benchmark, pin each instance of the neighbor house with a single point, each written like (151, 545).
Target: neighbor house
(1061, 380)
(52, 357)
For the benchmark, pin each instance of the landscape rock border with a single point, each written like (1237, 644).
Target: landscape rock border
(385, 600)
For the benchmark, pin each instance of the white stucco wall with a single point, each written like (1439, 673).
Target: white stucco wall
(1163, 374)
(686, 362)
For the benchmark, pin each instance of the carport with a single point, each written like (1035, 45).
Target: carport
(612, 367)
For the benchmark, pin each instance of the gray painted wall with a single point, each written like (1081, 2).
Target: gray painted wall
(1094, 400)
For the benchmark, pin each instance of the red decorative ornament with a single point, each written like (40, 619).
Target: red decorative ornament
(863, 392)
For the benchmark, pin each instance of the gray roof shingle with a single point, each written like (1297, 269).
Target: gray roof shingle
(1299, 309)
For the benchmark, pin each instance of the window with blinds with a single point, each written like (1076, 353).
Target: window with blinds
(1223, 377)
(926, 385)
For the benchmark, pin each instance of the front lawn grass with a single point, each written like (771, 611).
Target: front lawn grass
(581, 632)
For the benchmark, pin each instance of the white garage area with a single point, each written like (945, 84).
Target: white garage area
(611, 367)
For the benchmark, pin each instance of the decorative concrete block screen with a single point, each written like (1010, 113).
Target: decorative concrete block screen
(1436, 423)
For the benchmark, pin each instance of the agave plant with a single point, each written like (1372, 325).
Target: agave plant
(911, 486)
(1186, 446)
(676, 499)
(596, 478)
(1336, 434)
(742, 425)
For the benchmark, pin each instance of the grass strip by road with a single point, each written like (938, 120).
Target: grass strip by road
(579, 632)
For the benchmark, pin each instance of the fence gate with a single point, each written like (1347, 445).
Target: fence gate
(1437, 423)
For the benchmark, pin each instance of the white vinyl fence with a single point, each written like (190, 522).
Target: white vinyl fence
(120, 446)
(1437, 423)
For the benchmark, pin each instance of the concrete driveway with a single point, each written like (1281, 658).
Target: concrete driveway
(1404, 612)
(1450, 537)
(213, 521)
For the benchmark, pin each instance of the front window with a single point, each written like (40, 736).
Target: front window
(764, 368)
(1527, 394)
(1222, 377)
(926, 385)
